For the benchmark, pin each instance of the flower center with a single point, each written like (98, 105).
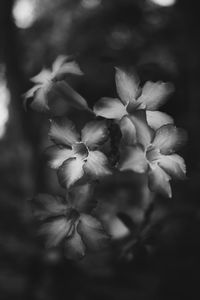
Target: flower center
(80, 150)
(152, 154)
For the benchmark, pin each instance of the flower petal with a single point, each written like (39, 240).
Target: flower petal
(58, 155)
(70, 171)
(45, 206)
(156, 119)
(92, 232)
(74, 246)
(154, 94)
(174, 165)
(168, 138)
(110, 108)
(63, 131)
(41, 97)
(55, 231)
(127, 86)
(128, 131)
(97, 164)
(74, 99)
(42, 77)
(133, 158)
(94, 133)
(143, 131)
(158, 181)
(82, 198)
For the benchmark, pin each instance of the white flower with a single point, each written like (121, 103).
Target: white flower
(69, 224)
(133, 98)
(48, 81)
(76, 155)
(154, 155)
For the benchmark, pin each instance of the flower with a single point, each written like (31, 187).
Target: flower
(134, 98)
(75, 155)
(48, 81)
(69, 224)
(154, 155)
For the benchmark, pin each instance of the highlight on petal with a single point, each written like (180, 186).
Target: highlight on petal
(174, 165)
(42, 77)
(70, 172)
(58, 155)
(133, 158)
(159, 181)
(143, 131)
(74, 246)
(110, 108)
(127, 86)
(45, 205)
(64, 90)
(97, 165)
(94, 133)
(92, 232)
(169, 138)
(154, 94)
(63, 131)
(128, 130)
(56, 231)
(157, 119)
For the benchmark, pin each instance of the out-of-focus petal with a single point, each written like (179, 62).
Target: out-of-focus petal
(133, 158)
(110, 108)
(41, 98)
(74, 246)
(174, 165)
(42, 77)
(70, 171)
(127, 85)
(156, 119)
(45, 205)
(55, 231)
(94, 133)
(30, 93)
(63, 132)
(154, 94)
(128, 131)
(159, 181)
(97, 164)
(64, 90)
(82, 198)
(69, 67)
(58, 155)
(143, 131)
(92, 232)
(169, 138)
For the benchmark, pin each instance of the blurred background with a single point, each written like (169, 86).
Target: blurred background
(161, 40)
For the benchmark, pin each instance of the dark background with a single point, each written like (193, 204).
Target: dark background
(161, 43)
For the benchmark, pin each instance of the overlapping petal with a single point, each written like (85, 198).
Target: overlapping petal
(74, 246)
(63, 132)
(157, 119)
(174, 165)
(133, 158)
(110, 108)
(127, 85)
(154, 94)
(159, 181)
(168, 138)
(42, 77)
(92, 232)
(128, 130)
(70, 172)
(97, 164)
(94, 133)
(58, 155)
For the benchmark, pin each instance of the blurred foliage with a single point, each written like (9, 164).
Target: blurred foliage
(161, 44)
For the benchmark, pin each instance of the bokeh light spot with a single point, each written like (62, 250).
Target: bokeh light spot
(164, 2)
(24, 13)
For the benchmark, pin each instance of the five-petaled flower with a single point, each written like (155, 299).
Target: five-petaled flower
(134, 98)
(69, 223)
(75, 155)
(154, 155)
(49, 80)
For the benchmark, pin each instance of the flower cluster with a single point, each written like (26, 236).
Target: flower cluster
(148, 143)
